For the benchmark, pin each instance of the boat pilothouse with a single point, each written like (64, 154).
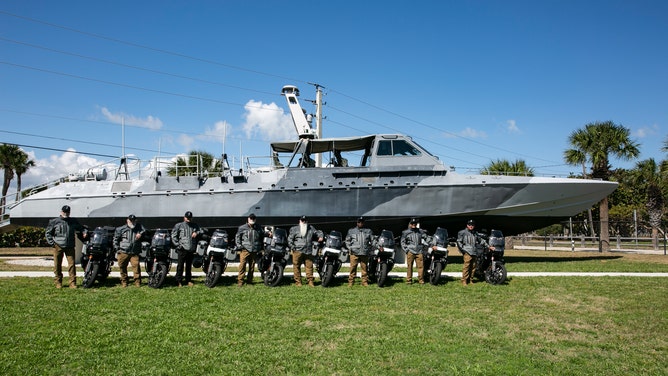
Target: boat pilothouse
(386, 178)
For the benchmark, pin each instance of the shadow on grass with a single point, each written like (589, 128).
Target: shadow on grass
(550, 259)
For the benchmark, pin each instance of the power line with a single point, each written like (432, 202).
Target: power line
(135, 67)
(217, 63)
(167, 52)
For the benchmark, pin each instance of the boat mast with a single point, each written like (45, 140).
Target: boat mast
(318, 119)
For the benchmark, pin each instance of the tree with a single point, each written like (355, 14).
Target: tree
(23, 164)
(504, 167)
(594, 144)
(650, 178)
(8, 158)
(195, 161)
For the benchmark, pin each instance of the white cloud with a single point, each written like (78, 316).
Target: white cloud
(55, 167)
(646, 131)
(468, 132)
(149, 122)
(511, 126)
(220, 130)
(186, 141)
(267, 122)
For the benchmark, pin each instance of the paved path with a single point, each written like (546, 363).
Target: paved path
(392, 274)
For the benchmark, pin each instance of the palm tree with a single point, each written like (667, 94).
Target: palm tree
(504, 167)
(196, 160)
(23, 164)
(650, 178)
(595, 143)
(8, 157)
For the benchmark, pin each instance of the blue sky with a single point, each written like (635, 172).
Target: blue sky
(472, 81)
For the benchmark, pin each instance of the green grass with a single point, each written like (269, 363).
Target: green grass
(553, 326)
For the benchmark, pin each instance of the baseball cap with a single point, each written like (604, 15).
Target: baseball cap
(471, 222)
(251, 216)
(414, 221)
(303, 218)
(188, 214)
(360, 219)
(132, 217)
(65, 209)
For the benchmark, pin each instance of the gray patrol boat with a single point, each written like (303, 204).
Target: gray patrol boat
(395, 179)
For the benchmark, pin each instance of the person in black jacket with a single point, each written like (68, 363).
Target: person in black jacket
(61, 233)
(127, 241)
(184, 238)
(250, 239)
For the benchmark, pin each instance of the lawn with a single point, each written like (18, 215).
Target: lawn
(539, 325)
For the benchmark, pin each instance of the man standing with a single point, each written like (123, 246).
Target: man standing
(359, 242)
(184, 238)
(467, 241)
(60, 234)
(413, 241)
(250, 239)
(127, 243)
(300, 242)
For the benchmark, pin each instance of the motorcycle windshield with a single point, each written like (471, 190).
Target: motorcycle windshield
(334, 240)
(386, 239)
(161, 239)
(219, 239)
(441, 237)
(496, 239)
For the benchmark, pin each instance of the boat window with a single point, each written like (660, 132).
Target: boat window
(384, 148)
(396, 148)
(401, 147)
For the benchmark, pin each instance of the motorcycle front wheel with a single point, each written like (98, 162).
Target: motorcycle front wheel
(496, 274)
(157, 278)
(273, 276)
(382, 274)
(90, 274)
(213, 275)
(327, 275)
(436, 274)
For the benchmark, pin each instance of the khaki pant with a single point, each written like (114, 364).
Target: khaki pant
(419, 261)
(123, 260)
(246, 257)
(468, 270)
(299, 258)
(364, 262)
(58, 253)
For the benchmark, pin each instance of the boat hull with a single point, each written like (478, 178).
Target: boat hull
(331, 198)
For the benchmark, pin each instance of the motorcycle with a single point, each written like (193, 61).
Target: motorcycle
(490, 265)
(275, 257)
(158, 260)
(435, 261)
(381, 259)
(333, 255)
(98, 255)
(218, 254)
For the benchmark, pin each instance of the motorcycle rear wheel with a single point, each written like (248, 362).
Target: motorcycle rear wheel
(382, 274)
(436, 274)
(327, 275)
(156, 279)
(213, 275)
(496, 274)
(90, 274)
(273, 276)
